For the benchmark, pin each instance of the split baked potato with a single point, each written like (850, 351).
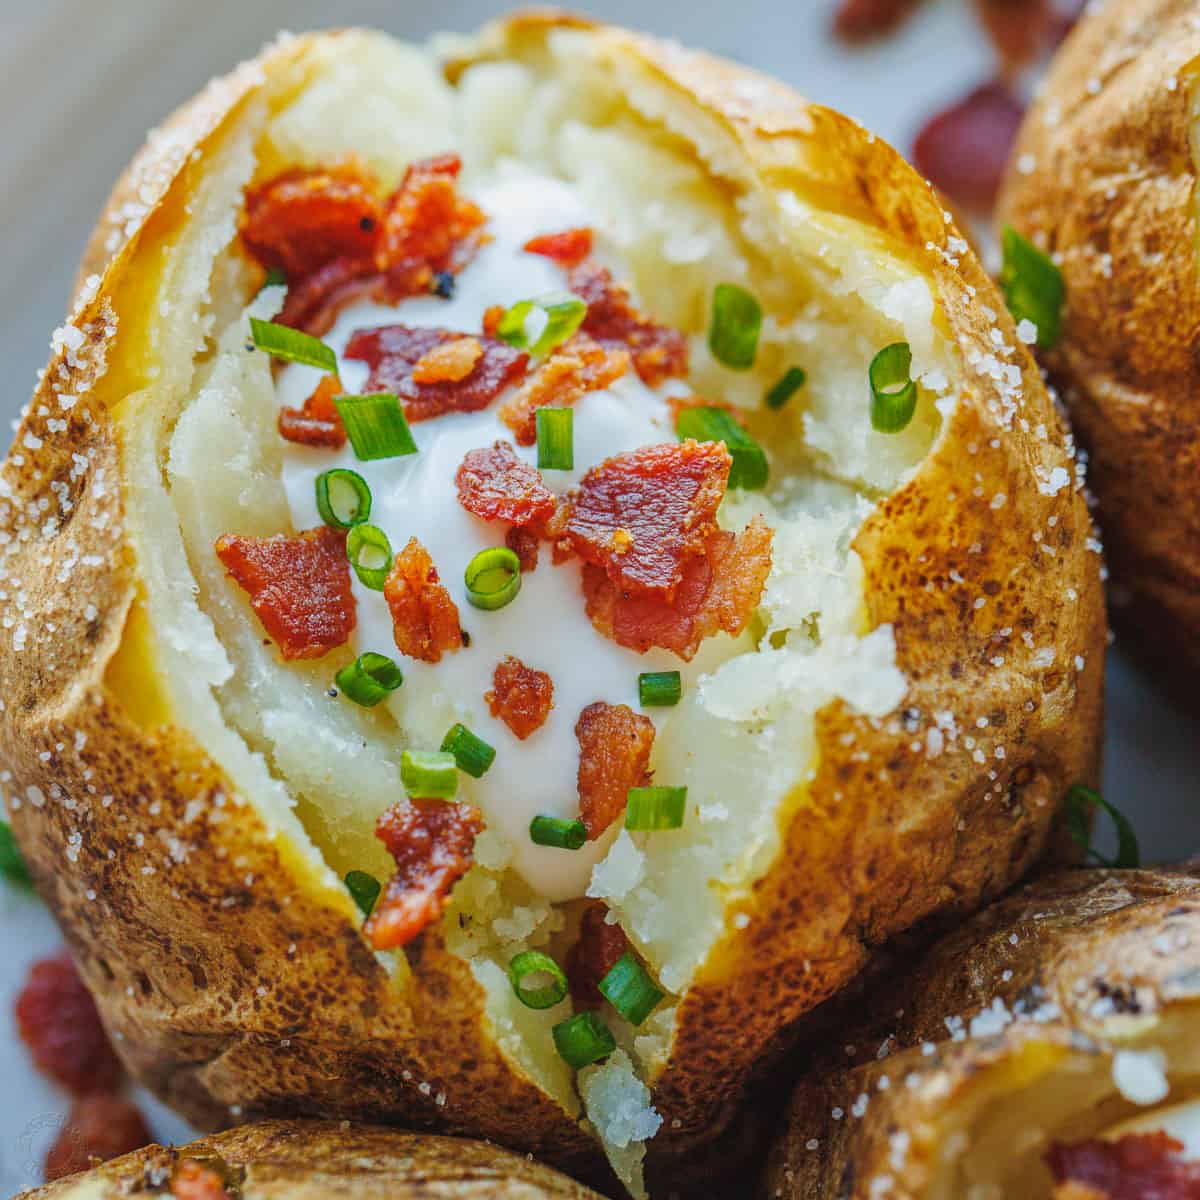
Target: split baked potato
(882, 729)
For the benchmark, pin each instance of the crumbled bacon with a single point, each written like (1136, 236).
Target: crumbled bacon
(719, 591)
(521, 697)
(194, 1180)
(393, 351)
(594, 954)
(492, 316)
(100, 1126)
(1020, 30)
(448, 362)
(524, 543)
(494, 484)
(58, 1022)
(318, 423)
(299, 587)
(614, 755)
(568, 248)
(433, 843)
(424, 618)
(575, 368)
(643, 514)
(658, 352)
(856, 20)
(313, 303)
(1138, 1166)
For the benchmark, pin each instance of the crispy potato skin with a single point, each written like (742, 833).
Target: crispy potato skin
(230, 980)
(1103, 177)
(1080, 935)
(320, 1160)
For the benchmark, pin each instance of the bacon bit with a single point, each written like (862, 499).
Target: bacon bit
(313, 303)
(568, 248)
(424, 619)
(494, 484)
(679, 404)
(719, 591)
(393, 352)
(299, 587)
(658, 352)
(448, 362)
(1021, 30)
(492, 316)
(596, 952)
(193, 1180)
(58, 1022)
(523, 542)
(433, 843)
(1132, 1167)
(858, 20)
(318, 423)
(643, 514)
(99, 1127)
(575, 368)
(521, 697)
(614, 755)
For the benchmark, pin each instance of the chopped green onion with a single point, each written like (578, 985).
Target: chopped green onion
(583, 1039)
(429, 774)
(343, 498)
(364, 888)
(376, 426)
(790, 382)
(893, 391)
(736, 321)
(12, 863)
(276, 277)
(369, 679)
(630, 990)
(708, 424)
(471, 753)
(551, 831)
(648, 808)
(1079, 805)
(564, 314)
(534, 962)
(370, 554)
(1032, 286)
(281, 342)
(493, 578)
(659, 689)
(555, 439)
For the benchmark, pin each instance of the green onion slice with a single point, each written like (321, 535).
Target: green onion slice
(1079, 805)
(893, 391)
(583, 1039)
(789, 383)
(493, 578)
(364, 888)
(1032, 286)
(376, 426)
(534, 962)
(552, 831)
(564, 314)
(555, 439)
(472, 754)
(369, 679)
(290, 344)
(370, 554)
(12, 863)
(648, 808)
(343, 498)
(276, 277)
(429, 774)
(707, 424)
(659, 689)
(736, 321)
(630, 990)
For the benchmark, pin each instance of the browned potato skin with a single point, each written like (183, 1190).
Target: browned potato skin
(1111, 195)
(322, 1160)
(1081, 935)
(267, 998)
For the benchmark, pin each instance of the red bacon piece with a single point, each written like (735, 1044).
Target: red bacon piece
(614, 755)
(494, 484)
(658, 352)
(424, 618)
(299, 587)
(193, 1180)
(100, 1126)
(313, 302)
(1022, 29)
(857, 20)
(392, 351)
(318, 423)
(433, 843)
(643, 514)
(520, 697)
(568, 248)
(524, 543)
(1138, 1166)
(720, 590)
(596, 952)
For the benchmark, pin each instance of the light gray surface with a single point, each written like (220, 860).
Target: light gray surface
(79, 85)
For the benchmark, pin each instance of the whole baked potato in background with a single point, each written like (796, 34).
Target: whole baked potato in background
(934, 691)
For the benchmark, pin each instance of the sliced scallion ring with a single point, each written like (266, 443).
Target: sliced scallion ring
(370, 554)
(343, 498)
(788, 384)
(280, 341)
(493, 578)
(563, 314)
(376, 426)
(709, 424)
(1079, 805)
(555, 439)
(531, 963)
(1032, 285)
(553, 831)
(12, 862)
(630, 990)
(369, 679)
(651, 808)
(659, 689)
(472, 754)
(583, 1039)
(364, 888)
(429, 774)
(893, 390)
(736, 322)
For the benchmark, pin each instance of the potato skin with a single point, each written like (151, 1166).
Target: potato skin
(233, 980)
(1103, 177)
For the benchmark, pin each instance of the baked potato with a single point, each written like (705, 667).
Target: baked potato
(1103, 178)
(886, 663)
(291, 1160)
(1017, 1056)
